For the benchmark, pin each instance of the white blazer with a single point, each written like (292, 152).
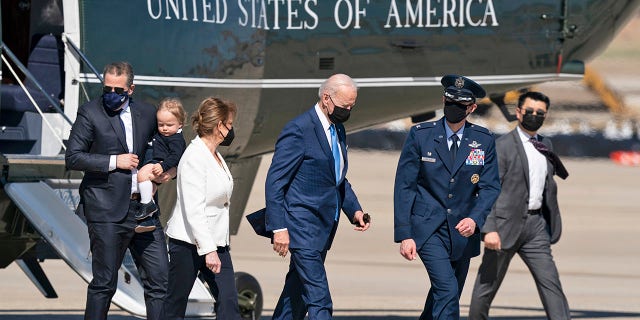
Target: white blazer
(201, 213)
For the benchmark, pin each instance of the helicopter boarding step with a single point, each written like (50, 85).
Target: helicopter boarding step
(67, 234)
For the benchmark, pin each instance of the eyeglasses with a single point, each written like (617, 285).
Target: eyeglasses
(539, 113)
(118, 90)
(343, 107)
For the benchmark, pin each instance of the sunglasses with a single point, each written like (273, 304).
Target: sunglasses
(118, 90)
(539, 113)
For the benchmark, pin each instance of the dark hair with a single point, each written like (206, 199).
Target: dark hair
(119, 68)
(210, 112)
(533, 95)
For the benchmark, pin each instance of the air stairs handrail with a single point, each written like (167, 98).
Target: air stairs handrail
(82, 56)
(30, 76)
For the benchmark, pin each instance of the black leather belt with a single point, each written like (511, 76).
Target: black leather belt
(534, 212)
(135, 196)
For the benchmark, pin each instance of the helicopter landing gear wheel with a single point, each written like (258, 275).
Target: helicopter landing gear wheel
(249, 296)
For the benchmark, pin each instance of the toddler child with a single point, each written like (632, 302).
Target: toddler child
(167, 148)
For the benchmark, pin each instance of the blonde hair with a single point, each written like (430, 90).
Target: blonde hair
(173, 106)
(210, 112)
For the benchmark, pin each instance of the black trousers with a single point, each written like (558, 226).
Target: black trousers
(109, 242)
(184, 265)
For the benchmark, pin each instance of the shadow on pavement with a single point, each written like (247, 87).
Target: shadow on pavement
(575, 314)
(58, 314)
(363, 314)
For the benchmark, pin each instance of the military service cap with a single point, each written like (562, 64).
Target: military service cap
(461, 89)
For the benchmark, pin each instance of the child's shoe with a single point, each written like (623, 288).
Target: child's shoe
(146, 225)
(146, 210)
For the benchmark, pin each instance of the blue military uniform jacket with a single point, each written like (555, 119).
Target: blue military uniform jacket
(431, 189)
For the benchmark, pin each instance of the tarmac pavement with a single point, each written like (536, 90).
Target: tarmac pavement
(598, 256)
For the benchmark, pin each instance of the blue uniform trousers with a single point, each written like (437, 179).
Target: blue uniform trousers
(447, 277)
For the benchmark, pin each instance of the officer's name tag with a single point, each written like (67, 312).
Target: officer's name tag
(475, 158)
(427, 159)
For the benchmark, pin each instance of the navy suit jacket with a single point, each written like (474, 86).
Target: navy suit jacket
(95, 136)
(430, 189)
(301, 189)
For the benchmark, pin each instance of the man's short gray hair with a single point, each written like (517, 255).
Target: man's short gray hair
(332, 84)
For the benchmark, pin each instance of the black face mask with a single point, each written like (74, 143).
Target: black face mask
(454, 112)
(532, 122)
(339, 115)
(228, 138)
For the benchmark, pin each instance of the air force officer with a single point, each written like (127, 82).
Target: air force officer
(446, 184)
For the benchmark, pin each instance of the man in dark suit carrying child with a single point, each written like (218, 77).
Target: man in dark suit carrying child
(107, 141)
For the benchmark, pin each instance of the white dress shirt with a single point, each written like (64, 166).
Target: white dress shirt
(537, 171)
(325, 125)
(201, 213)
(125, 117)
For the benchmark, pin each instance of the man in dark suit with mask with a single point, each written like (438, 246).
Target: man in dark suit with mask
(107, 141)
(526, 218)
(306, 189)
(446, 184)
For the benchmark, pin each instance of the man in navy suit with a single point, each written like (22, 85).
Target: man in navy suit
(305, 189)
(107, 141)
(446, 184)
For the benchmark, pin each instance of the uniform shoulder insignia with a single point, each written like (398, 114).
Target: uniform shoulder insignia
(481, 129)
(425, 125)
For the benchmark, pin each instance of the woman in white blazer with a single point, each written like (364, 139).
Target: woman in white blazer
(198, 229)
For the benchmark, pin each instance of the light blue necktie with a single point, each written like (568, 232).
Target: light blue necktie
(336, 162)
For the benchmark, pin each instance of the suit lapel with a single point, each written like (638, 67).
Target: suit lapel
(116, 124)
(463, 150)
(521, 154)
(442, 148)
(135, 118)
(343, 148)
(322, 139)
